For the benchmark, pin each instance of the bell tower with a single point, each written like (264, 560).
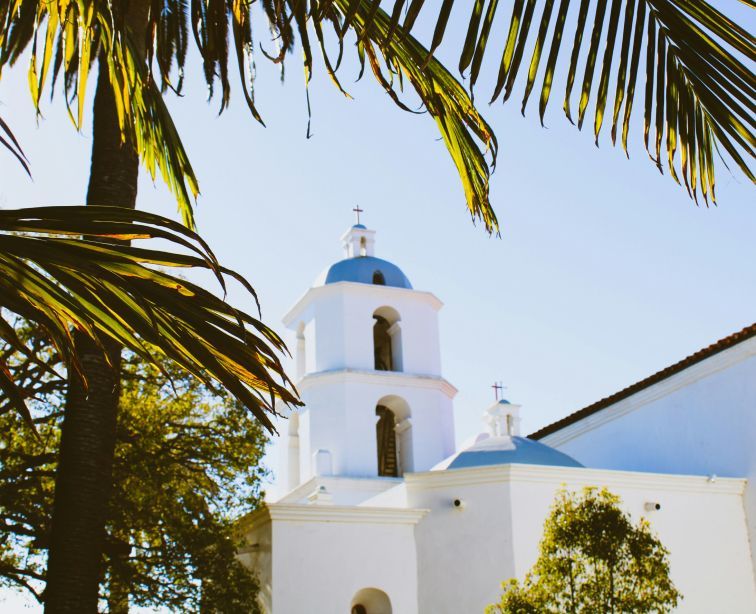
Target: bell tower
(368, 368)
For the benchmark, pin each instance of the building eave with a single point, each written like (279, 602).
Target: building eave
(574, 476)
(719, 355)
(371, 376)
(335, 484)
(287, 512)
(384, 291)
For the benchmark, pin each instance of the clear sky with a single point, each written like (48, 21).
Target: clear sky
(605, 271)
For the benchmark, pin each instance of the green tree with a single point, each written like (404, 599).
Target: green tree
(187, 463)
(593, 559)
(698, 96)
(87, 294)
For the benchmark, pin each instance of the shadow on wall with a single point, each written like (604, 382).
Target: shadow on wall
(387, 340)
(393, 431)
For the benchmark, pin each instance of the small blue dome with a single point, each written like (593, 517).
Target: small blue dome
(362, 270)
(503, 450)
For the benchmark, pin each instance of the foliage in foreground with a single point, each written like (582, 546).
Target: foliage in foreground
(593, 560)
(52, 275)
(680, 64)
(187, 463)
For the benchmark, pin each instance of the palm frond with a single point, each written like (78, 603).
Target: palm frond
(699, 98)
(56, 271)
(700, 95)
(8, 140)
(66, 37)
(380, 39)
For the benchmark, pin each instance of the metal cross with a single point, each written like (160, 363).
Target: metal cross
(357, 210)
(497, 388)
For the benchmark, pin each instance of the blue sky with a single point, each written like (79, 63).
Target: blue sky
(605, 271)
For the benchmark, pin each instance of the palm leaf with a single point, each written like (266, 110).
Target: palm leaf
(49, 274)
(78, 30)
(696, 69)
(8, 140)
(700, 95)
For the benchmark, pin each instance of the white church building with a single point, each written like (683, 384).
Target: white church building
(382, 515)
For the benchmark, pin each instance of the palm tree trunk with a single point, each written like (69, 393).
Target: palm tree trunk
(84, 476)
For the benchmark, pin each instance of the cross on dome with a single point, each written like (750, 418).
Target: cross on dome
(498, 387)
(357, 210)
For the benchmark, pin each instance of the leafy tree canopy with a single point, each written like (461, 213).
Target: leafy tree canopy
(187, 463)
(592, 560)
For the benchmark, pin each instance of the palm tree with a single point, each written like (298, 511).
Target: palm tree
(698, 98)
(81, 290)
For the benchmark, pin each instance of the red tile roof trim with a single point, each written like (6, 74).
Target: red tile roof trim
(708, 352)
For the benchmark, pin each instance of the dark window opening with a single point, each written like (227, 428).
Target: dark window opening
(385, 431)
(382, 345)
(379, 279)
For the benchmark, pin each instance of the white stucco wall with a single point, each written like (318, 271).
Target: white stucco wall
(464, 555)
(700, 523)
(699, 421)
(338, 320)
(339, 416)
(322, 556)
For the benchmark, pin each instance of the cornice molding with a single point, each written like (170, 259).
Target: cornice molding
(573, 476)
(690, 375)
(336, 484)
(370, 376)
(356, 288)
(284, 512)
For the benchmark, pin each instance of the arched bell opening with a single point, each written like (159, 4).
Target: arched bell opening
(387, 340)
(370, 601)
(393, 432)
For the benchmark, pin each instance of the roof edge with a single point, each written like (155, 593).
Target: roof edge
(722, 345)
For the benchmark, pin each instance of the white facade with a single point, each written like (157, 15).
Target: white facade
(701, 420)
(382, 517)
(464, 555)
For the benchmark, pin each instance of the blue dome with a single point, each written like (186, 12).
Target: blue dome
(362, 270)
(489, 450)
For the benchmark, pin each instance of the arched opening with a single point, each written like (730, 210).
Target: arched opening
(393, 433)
(363, 246)
(370, 601)
(382, 353)
(385, 432)
(387, 340)
(378, 278)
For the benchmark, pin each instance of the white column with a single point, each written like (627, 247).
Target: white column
(301, 354)
(404, 445)
(395, 333)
